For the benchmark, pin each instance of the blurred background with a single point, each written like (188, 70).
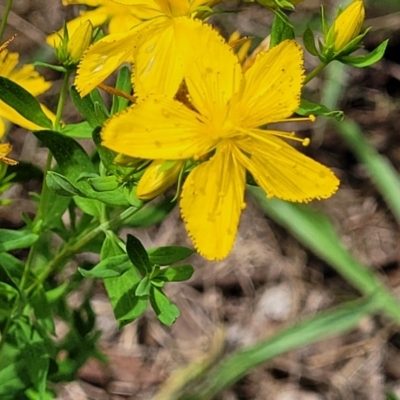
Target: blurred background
(270, 280)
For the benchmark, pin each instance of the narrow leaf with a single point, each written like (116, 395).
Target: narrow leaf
(166, 311)
(168, 255)
(309, 108)
(12, 240)
(109, 268)
(61, 185)
(176, 274)
(138, 255)
(85, 107)
(368, 59)
(23, 102)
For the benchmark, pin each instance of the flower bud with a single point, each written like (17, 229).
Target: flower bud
(69, 50)
(158, 177)
(347, 25)
(80, 41)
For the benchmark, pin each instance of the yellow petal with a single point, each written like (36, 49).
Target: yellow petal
(272, 86)
(3, 126)
(285, 173)
(11, 115)
(213, 75)
(163, 51)
(124, 22)
(103, 58)
(158, 128)
(211, 204)
(25, 76)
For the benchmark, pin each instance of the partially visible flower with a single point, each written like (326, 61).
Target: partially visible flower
(240, 44)
(119, 17)
(158, 177)
(159, 48)
(346, 26)
(223, 131)
(30, 80)
(5, 150)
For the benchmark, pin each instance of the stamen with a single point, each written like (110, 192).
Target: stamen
(298, 119)
(263, 136)
(117, 92)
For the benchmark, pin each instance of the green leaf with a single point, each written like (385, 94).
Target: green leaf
(121, 290)
(176, 274)
(82, 130)
(166, 311)
(12, 240)
(168, 254)
(11, 382)
(129, 191)
(106, 155)
(281, 29)
(85, 107)
(61, 185)
(108, 268)
(23, 103)
(309, 108)
(368, 59)
(124, 85)
(143, 289)
(100, 108)
(89, 206)
(42, 309)
(138, 255)
(320, 327)
(309, 41)
(104, 183)
(10, 270)
(73, 161)
(69, 154)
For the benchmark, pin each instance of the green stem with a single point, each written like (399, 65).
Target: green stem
(61, 100)
(314, 73)
(38, 228)
(3, 24)
(77, 243)
(39, 214)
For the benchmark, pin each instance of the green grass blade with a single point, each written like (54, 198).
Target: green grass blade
(315, 230)
(381, 171)
(313, 329)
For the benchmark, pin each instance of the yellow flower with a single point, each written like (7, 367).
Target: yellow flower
(5, 150)
(347, 25)
(222, 128)
(160, 49)
(120, 18)
(30, 80)
(158, 177)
